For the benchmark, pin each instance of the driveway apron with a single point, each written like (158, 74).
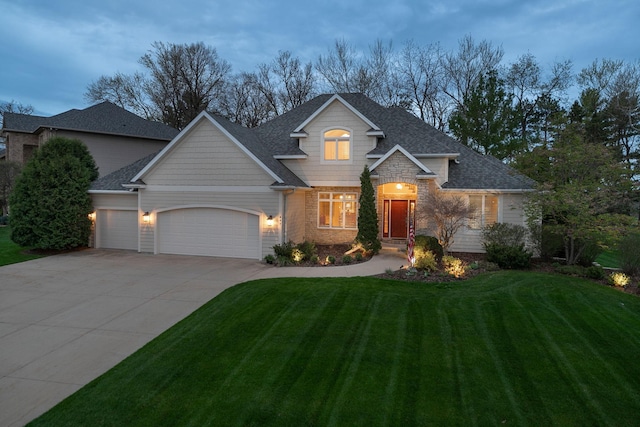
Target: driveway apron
(67, 319)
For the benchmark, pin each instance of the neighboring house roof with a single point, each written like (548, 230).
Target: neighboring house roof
(397, 131)
(104, 118)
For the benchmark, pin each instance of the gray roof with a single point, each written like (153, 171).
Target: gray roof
(470, 170)
(115, 180)
(104, 118)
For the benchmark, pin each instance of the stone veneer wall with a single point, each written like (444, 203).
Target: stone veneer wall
(20, 146)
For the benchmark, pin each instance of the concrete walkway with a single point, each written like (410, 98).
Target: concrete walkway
(67, 319)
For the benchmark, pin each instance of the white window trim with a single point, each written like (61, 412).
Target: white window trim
(331, 201)
(336, 161)
(482, 210)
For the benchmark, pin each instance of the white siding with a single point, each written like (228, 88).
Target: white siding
(205, 156)
(114, 201)
(316, 173)
(438, 166)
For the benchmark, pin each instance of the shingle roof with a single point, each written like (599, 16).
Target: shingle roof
(471, 170)
(115, 180)
(105, 118)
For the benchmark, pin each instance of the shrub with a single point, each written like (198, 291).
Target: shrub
(504, 234)
(508, 257)
(429, 243)
(595, 272)
(571, 270)
(359, 256)
(284, 249)
(314, 259)
(425, 259)
(589, 254)
(630, 254)
(297, 255)
(619, 279)
(283, 261)
(454, 266)
(270, 259)
(330, 259)
(308, 249)
(347, 259)
(367, 215)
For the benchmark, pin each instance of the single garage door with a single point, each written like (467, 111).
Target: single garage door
(209, 232)
(117, 229)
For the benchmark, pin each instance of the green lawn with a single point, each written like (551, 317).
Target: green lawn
(10, 253)
(507, 348)
(608, 259)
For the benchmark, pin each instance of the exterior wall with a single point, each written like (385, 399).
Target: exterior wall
(115, 201)
(207, 157)
(316, 173)
(295, 217)
(325, 236)
(260, 199)
(20, 146)
(112, 152)
(438, 166)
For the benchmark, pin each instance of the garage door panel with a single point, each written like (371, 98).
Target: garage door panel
(117, 229)
(210, 232)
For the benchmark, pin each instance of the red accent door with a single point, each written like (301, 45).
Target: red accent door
(398, 220)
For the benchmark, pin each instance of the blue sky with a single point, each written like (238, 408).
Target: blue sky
(51, 50)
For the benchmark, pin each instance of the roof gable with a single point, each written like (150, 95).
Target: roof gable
(176, 143)
(408, 155)
(298, 131)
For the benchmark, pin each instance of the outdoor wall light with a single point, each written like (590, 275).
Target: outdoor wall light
(146, 217)
(399, 186)
(270, 221)
(92, 216)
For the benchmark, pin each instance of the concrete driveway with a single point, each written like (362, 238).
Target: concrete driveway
(67, 319)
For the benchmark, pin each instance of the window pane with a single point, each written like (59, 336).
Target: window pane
(337, 133)
(490, 210)
(330, 150)
(343, 150)
(324, 214)
(336, 215)
(476, 203)
(350, 214)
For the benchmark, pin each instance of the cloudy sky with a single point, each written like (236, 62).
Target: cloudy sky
(51, 50)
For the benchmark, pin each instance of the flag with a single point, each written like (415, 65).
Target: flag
(412, 241)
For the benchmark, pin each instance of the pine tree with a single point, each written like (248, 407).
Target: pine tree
(367, 215)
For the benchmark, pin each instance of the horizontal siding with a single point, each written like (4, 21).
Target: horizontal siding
(311, 169)
(206, 156)
(437, 166)
(115, 201)
(114, 152)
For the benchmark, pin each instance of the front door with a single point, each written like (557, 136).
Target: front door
(398, 219)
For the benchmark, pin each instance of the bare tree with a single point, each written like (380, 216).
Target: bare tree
(182, 81)
(243, 103)
(422, 79)
(444, 215)
(464, 67)
(13, 107)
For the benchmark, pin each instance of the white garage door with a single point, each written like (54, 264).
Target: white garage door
(209, 232)
(117, 229)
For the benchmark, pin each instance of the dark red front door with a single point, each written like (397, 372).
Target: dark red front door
(398, 220)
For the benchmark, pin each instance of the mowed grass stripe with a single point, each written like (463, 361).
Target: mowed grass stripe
(363, 351)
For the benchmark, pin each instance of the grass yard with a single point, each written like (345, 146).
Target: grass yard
(608, 259)
(10, 253)
(506, 348)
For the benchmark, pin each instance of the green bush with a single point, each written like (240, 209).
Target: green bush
(314, 259)
(551, 243)
(347, 259)
(270, 259)
(589, 254)
(297, 255)
(425, 259)
(359, 256)
(571, 270)
(595, 272)
(330, 259)
(429, 243)
(308, 249)
(629, 250)
(284, 249)
(508, 257)
(50, 203)
(505, 234)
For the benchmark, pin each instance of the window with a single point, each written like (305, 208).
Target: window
(337, 145)
(337, 210)
(486, 211)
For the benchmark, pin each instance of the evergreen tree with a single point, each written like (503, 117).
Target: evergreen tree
(50, 202)
(367, 215)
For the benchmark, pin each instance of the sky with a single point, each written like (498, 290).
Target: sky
(50, 51)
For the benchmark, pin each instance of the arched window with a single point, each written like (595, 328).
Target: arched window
(337, 145)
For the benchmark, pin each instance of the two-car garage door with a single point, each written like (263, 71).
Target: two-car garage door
(209, 232)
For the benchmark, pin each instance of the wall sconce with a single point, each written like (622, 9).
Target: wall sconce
(146, 217)
(270, 221)
(92, 217)
(399, 186)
